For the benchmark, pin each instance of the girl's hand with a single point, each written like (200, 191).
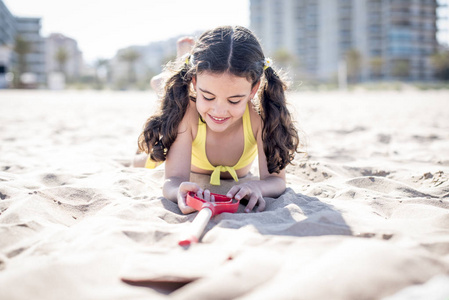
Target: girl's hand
(249, 191)
(184, 189)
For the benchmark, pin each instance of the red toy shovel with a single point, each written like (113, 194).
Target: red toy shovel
(206, 211)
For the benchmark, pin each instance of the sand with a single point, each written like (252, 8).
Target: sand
(365, 215)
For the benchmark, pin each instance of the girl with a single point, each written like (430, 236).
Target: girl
(208, 123)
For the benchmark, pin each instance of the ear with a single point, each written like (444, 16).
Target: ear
(194, 82)
(255, 89)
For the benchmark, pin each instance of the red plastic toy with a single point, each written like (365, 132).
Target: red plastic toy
(206, 211)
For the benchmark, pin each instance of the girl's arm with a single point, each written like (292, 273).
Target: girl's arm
(269, 185)
(177, 166)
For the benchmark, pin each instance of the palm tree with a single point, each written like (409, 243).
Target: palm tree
(401, 68)
(376, 64)
(62, 56)
(130, 56)
(286, 62)
(284, 59)
(22, 47)
(353, 63)
(440, 63)
(99, 64)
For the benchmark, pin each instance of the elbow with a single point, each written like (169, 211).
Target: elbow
(282, 186)
(276, 186)
(139, 160)
(170, 189)
(166, 192)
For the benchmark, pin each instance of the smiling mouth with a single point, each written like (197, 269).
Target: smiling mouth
(218, 120)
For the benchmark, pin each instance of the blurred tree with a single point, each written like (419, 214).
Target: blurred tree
(376, 64)
(288, 64)
(100, 65)
(353, 64)
(284, 59)
(440, 63)
(168, 58)
(22, 47)
(130, 56)
(62, 56)
(401, 68)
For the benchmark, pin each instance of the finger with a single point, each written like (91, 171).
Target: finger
(206, 195)
(232, 191)
(182, 200)
(186, 187)
(244, 191)
(199, 193)
(185, 209)
(252, 202)
(261, 204)
(212, 198)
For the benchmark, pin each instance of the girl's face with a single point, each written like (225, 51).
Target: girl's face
(222, 99)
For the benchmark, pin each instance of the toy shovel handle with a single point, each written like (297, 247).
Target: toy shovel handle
(196, 228)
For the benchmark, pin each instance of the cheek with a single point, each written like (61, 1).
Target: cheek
(237, 110)
(239, 113)
(201, 106)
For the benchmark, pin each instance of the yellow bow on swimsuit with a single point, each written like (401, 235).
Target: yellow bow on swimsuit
(215, 176)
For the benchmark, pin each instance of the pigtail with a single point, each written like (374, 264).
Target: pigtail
(280, 137)
(161, 129)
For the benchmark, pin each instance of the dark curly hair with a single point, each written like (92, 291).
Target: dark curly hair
(225, 49)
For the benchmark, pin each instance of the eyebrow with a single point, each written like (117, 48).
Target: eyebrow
(207, 92)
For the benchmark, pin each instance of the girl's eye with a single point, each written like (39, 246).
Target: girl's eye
(234, 102)
(208, 99)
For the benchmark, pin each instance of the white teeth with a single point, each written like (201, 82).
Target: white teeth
(218, 119)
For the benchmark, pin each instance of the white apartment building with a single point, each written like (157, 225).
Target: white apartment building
(29, 30)
(72, 67)
(8, 28)
(394, 38)
(150, 61)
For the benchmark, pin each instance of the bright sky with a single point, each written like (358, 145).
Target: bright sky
(101, 27)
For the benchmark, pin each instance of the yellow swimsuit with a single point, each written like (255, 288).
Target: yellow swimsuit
(199, 157)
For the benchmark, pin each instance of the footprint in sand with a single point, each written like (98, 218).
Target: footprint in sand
(3, 196)
(313, 171)
(52, 180)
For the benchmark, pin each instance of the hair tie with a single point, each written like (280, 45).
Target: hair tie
(267, 62)
(189, 59)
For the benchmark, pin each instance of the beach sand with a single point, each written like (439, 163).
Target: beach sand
(365, 215)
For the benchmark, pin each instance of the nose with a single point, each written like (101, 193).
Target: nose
(220, 108)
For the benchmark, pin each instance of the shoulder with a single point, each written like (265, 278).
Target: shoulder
(189, 123)
(256, 120)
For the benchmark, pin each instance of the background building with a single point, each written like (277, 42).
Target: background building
(8, 28)
(150, 60)
(29, 30)
(378, 39)
(63, 55)
(27, 62)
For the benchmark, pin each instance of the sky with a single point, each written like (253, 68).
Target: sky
(101, 27)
